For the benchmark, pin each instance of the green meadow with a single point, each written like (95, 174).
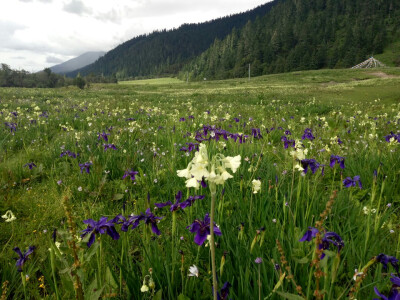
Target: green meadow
(319, 161)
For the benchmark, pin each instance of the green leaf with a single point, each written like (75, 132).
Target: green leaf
(303, 260)
(118, 197)
(183, 297)
(290, 296)
(158, 295)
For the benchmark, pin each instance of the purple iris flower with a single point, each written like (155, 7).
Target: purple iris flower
(392, 135)
(131, 174)
(11, 126)
(224, 291)
(309, 235)
(256, 133)
(132, 222)
(386, 259)
(100, 227)
(287, 132)
(182, 119)
(69, 153)
(202, 229)
(288, 142)
(30, 165)
(85, 166)
(348, 182)
(150, 218)
(109, 146)
(190, 147)
(309, 163)
(331, 238)
(178, 204)
(103, 136)
(337, 159)
(23, 257)
(308, 134)
(394, 293)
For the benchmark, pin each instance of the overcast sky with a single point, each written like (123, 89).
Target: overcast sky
(35, 34)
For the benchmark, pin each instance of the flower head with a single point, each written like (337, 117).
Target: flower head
(23, 257)
(109, 146)
(256, 185)
(336, 159)
(394, 293)
(102, 226)
(131, 174)
(30, 165)
(85, 166)
(308, 134)
(309, 235)
(215, 171)
(193, 271)
(309, 163)
(386, 259)
(349, 182)
(258, 260)
(178, 204)
(9, 216)
(202, 229)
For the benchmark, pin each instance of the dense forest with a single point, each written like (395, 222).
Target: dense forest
(302, 35)
(165, 52)
(280, 36)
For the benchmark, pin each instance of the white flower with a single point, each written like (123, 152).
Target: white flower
(199, 171)
(356, 274)
(80, 189)
(9, 216)
(200, 168)
(193, 271)
(184, 173)
(256, 186)
(192, 182)
(232, 162)
(144, 288)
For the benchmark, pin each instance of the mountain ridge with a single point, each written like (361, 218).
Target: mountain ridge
(77, 62)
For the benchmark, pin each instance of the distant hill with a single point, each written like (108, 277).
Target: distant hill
(77, 62)
(165, 52)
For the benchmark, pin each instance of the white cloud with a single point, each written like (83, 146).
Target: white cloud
(77, 7)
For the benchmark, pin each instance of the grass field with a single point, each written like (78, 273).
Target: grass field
(322, 146)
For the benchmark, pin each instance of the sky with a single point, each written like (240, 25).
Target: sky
(35, 34)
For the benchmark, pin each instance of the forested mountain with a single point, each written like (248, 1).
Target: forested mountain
(77, 62)
(165, 52)
(280, 36)
(301, 35)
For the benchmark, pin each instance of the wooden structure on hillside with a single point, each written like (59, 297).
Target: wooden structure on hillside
(369, 63)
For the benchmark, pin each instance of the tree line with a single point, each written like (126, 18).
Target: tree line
(47, 79)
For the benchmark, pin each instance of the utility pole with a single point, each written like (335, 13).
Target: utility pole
(249, 72)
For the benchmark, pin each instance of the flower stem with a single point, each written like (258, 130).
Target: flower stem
(23, 278)
(212, 243)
